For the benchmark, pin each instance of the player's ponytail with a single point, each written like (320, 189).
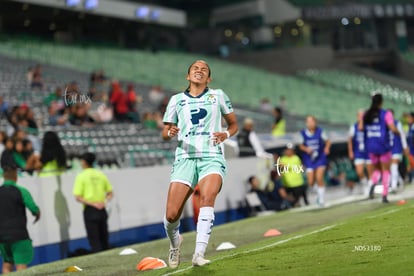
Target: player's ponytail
(374, 109)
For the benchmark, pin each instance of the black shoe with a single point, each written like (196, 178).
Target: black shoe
(384, 199)
(371, 192)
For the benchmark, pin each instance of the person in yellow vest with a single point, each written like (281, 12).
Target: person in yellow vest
(93, 190)
(279, 125)
(291, 169)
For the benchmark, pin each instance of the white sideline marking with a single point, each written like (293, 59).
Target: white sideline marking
(260, 248)
(385, 213)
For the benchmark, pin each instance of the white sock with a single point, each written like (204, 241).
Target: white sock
(401, 181)
(368, 187)
(364, 182)
(394, 176)
(321, 194)
(173, 232)
(204, 224)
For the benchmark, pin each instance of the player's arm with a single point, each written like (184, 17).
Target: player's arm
(169, 131)
(97, 205)
(30, 204)
(109, 195)
(232, 128)
(389, 120)
(327, 148)
(350, 148)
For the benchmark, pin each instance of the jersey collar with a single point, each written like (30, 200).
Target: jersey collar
(187, 92)
(9, 183)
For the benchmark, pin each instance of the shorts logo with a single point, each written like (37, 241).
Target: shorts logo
(197, 115)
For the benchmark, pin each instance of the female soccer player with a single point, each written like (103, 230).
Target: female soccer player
(357, 153)
(315, 146)
(376, 124)
(194, 116)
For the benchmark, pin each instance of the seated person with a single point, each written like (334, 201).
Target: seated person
(275, 199)
(24, 160)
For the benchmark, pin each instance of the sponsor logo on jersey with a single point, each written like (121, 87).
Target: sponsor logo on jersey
(211, 99)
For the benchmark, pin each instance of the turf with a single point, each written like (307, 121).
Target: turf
(361, 238)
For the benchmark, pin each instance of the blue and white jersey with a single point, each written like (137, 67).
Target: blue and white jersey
(358, 142)
(198, 118)
(377, 138)
(315, 141)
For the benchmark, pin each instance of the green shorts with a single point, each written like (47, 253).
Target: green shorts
(19, 252)
(191, 170)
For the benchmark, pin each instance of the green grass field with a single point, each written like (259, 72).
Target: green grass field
(365, 237)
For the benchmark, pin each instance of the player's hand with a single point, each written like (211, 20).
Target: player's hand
(219, 137)
(173, 131)
(37, 217)
(309, 151)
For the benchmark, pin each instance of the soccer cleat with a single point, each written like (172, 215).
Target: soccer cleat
(174, 255)
(198, 260)
(385, 199)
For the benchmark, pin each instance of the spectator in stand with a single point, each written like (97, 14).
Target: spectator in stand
(153, 120)
(104, 113)
(56, 119)
(19, 155)
(80, 116)
(119, 102)
(163, 105)
(37, 80)
(248, 142)
(291, 169)
(27, 149)
(31, 122)
(279, 125)
(29, 75)
(133, 99)
(265, 105)
(156, 95)
(4, 107)
(56, 98)
(3, 138)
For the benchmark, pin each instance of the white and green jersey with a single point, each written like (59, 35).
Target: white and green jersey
(197, 118)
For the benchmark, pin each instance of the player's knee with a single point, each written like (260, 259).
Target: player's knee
(172, 216)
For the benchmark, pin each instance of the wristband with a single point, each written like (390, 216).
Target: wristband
(168, 133)
(228, 134)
